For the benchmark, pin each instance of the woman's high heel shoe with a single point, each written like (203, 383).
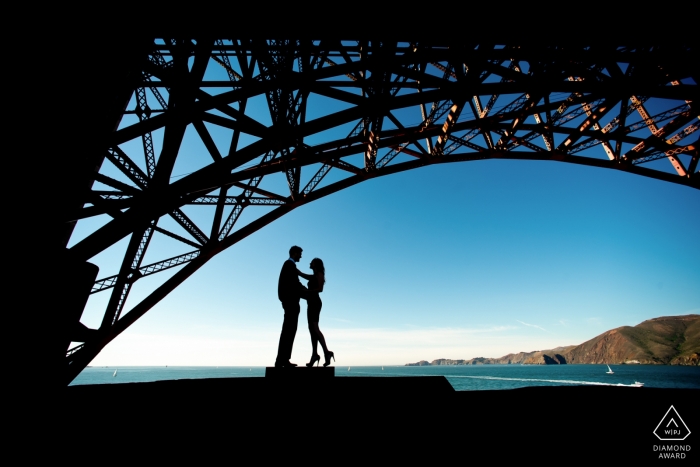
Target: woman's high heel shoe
(328, 356)
(315, 359)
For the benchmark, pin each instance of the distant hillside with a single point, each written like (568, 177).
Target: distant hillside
(669, 340)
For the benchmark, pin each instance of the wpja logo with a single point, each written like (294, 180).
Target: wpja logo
(672, 428)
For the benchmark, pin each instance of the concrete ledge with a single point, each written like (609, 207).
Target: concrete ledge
(414, 416)
(300, 372)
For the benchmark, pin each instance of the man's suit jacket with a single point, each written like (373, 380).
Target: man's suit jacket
(289, 288)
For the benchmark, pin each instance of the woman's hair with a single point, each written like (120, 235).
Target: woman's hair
(317, 266)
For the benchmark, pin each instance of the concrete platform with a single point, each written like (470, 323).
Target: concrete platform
(300, 372)
(410, 418)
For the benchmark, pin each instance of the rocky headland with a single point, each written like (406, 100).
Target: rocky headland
(669, 340)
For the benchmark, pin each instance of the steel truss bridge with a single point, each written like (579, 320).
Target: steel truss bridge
(266, 126)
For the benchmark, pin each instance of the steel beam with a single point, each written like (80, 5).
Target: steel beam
(576, 98)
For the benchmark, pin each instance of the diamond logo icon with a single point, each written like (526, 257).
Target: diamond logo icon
(671, 427)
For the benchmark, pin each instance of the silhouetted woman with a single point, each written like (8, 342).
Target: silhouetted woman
(313, 311)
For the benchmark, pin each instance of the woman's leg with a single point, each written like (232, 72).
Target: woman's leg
(314, 339)
(315, 331)
(312, 311)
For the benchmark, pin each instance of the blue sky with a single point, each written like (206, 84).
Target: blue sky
(452, 261)
(448, 261)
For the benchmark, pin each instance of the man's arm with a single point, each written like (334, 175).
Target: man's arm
(288, 281)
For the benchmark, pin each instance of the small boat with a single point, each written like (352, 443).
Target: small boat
(348, 368)
(115, 373)
(382, 368)
(637, 384)
(609, 372)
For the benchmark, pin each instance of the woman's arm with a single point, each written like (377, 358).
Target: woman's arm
(304, 275)
(320, 280)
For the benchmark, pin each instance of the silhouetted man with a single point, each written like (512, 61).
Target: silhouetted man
(289, 291)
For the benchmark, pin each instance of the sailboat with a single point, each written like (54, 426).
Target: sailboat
(609, 372)
(382, 368)
(115, 373)
(348, 368)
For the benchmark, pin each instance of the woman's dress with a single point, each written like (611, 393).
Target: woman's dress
(313, 303)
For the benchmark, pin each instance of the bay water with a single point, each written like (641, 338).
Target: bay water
(461, 377)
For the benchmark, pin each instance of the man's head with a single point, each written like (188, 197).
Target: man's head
(295, 253)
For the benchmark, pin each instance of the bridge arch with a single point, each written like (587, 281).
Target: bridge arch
(211, 130)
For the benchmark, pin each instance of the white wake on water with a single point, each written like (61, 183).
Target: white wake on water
(560, 381)
(501, 378)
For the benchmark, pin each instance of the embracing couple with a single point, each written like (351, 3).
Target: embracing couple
(290, 291)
